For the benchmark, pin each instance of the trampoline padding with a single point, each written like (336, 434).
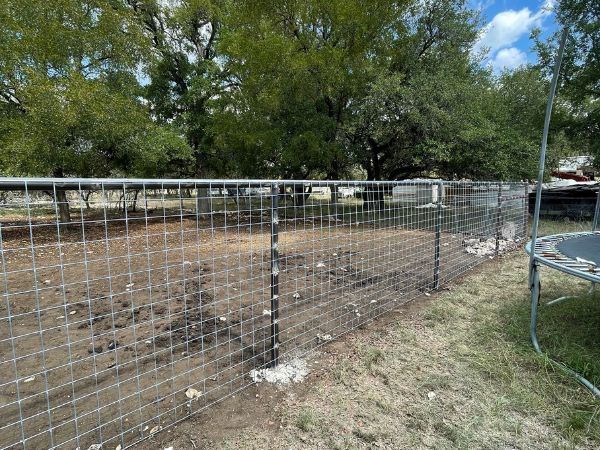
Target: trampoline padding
(586, 247)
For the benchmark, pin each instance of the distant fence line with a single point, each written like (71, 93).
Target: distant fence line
(129, 305)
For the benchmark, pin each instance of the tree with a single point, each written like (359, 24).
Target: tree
(580, 73)
(276, 88)
(298, 66)
(69, 98)
(418, 112)
(183, 74)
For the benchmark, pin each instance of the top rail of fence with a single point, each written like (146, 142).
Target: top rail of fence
(13, 183)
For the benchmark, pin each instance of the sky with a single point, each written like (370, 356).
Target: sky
(508, 24)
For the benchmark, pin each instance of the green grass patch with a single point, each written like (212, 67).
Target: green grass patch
(307, 420)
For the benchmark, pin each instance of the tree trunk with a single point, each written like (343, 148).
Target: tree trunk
(86, 198)
(334, 199)
(135, 198)
(64, 211)
(203, 201)
(301, 194)
(62, 203)
(121, 199)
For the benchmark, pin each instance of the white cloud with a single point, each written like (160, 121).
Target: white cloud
(509, 58)
(507, 27)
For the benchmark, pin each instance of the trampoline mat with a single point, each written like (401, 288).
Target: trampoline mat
(586, 247)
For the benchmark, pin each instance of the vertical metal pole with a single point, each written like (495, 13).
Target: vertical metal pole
(535, 300)
(274, 275)
(489, 219)
(525, 210)
(542, 163)
(597, 212)
(438, 235)
(498, 218)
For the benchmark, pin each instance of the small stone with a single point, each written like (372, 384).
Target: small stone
(130, 285)
(29, 380)
(72, 313)
(192, 393)
(149, 342)
(373, 301)
(118, 447)
(319, 265)
(46, 281)
(427, 294)
(156, 429)
(113, 344)
(95, 348)
(431, 395)
(223, 319)
(324, 337)
(266, 312)
(95, 447)
(296, 295)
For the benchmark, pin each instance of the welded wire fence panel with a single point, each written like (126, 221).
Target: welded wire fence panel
(131, 304)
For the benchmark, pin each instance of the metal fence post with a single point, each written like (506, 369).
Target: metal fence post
(525, 211)
(438, 235)
(498, 218)
(596, 211)
(274, 275)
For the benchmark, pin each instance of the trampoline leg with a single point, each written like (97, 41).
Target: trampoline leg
(561, 299)
(535, 301)
(591, 291)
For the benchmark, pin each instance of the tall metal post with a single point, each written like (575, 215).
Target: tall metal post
(498, 218)
(438, 235)
(525, 210)
(274, 275)
(597, 212)
(542, 163)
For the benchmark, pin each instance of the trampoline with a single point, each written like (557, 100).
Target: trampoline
(574, 253)
(577, 254)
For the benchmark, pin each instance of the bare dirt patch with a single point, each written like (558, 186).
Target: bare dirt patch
(111, 323)
(440, 372)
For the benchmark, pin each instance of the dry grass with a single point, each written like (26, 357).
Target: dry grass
(457, 371)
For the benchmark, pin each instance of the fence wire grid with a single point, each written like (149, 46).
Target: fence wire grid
(128, 305)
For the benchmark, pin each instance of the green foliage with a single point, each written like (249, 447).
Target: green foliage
(307, 420)
(580, 73)
(298, 66)
(182, 72)
(71, 100)
(283, 88)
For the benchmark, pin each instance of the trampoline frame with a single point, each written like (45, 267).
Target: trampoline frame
(545, 250)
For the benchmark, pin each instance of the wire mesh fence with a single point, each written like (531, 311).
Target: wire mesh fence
(131, 304)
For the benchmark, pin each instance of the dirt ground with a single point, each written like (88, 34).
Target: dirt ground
(441, 372)
(113, 324)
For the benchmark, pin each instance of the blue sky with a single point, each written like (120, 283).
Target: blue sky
(508, 24)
